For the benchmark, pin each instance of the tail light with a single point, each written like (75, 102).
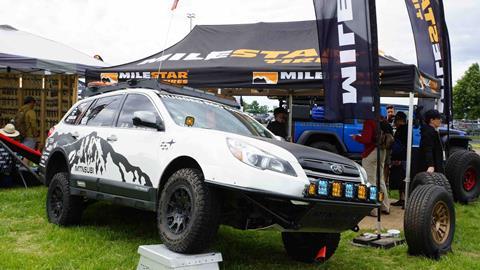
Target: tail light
(50, 132)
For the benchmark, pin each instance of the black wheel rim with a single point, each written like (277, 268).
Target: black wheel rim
(56, 202)
(179, 210)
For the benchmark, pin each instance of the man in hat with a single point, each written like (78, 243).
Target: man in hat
(279, 126)
(26, 122)
(7, 164)
(431, 145)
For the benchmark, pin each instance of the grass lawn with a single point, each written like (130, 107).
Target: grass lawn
(110, 235)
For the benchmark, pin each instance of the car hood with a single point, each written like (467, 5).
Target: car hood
(318, 160)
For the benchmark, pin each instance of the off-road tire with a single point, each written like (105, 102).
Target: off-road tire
(425, 178)
(326, 146)
(429, 209)
(305, 246)
(461, 166)
(63, 208)
(201, 214)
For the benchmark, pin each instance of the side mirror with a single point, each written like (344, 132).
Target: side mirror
(147, 119)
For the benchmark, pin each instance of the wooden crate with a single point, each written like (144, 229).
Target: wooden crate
(55, 94)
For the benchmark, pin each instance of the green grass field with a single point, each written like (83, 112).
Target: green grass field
(110, 235)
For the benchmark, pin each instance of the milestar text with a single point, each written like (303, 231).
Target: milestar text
(347, 56)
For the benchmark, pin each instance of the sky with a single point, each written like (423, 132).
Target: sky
(123, 31)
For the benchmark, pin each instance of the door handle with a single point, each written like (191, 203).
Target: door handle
(112, 138)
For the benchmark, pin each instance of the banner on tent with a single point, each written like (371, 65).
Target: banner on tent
(346, 49)
(432, 45)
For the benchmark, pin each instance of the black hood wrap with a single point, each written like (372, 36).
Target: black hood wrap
(318, 160)
(94, 150)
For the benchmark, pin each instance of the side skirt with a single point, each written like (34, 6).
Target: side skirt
(116, 199)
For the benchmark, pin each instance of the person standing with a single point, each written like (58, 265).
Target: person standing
(399, 157)
(279, 126)
(390, 114)
(26, 122)
(369, 160)
(431, 145)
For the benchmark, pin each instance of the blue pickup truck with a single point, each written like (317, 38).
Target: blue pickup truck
(311, 128)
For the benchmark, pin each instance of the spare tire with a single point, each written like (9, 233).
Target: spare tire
(429, 221)
(425, 178)
(463, 173)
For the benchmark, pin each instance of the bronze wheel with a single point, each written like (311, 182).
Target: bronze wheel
(440, 223)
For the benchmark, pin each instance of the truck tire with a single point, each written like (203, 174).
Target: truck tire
(424, 178)
(306, 246)
(188, 212)
(63, 208)
(429, 221)
(325, 146)
(463, 172)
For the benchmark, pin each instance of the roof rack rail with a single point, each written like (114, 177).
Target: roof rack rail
(156, 85)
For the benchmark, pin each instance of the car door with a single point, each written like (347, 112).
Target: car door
(90, 155)
(137, 150)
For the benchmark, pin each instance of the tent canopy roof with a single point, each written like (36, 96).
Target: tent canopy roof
(26, 52)
(273, 56)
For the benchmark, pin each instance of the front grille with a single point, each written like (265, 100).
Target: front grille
(319, 168)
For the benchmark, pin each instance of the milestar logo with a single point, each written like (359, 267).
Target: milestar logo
(425, 13)
(347, 56)
(272, 77)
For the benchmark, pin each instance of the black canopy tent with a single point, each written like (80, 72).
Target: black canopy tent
(256, 59)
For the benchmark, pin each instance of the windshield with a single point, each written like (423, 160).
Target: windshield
(212, 116)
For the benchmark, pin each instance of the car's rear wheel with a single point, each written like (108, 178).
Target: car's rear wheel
(62, 207)
(310, 247)
(188, 212)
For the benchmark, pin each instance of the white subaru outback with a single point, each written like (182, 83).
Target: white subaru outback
(198, 163)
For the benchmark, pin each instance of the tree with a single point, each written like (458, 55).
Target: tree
(254, 107)
(466, 94)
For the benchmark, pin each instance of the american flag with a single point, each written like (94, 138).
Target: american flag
(175, 3)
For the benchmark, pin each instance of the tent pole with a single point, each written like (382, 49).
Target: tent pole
(290, 119)
(409, 146)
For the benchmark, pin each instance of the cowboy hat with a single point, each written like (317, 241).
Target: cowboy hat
(9, 131)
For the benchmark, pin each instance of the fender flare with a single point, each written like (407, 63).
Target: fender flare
(303, 139)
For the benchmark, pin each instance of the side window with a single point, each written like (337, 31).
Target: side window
(102, 113)
(134, 103)
(77, 112)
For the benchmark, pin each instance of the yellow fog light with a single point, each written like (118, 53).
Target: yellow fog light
(337, 189)
(362, 192)
(312, 189)
(381, 196)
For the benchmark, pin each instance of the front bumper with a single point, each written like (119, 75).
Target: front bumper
(293, 213)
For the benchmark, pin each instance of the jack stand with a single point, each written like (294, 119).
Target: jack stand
(156, 257)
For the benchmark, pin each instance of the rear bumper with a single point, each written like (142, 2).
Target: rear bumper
(295, 213)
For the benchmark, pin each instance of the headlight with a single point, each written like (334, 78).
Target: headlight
(257, 158)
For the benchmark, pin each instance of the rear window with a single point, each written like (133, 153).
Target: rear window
(77, 112)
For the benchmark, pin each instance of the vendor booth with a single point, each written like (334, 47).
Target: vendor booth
(44, 69)
(255, 59)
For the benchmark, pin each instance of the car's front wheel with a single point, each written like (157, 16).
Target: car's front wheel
(310, 247)
(188, 212)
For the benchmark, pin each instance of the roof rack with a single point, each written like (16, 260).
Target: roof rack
(156, 85)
